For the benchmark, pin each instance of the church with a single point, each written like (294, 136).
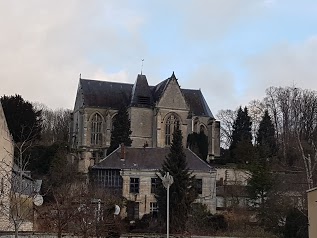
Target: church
(154, 112)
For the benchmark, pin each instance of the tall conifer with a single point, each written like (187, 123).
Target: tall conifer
(182, 191)
(241, 148)
(121, 130)
(24, 121)
(266, 140)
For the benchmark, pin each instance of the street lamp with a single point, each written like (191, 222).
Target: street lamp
(167, 181)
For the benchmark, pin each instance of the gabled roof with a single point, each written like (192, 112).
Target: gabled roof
(148, 159)
(106, 94)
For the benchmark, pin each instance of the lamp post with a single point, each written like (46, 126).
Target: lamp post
(167, 181)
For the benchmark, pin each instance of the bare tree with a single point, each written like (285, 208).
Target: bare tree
(227, 118)
(17, 186)
(17, 190)
(295, 115)
(58, 215)
(256, 110)
(55, 124)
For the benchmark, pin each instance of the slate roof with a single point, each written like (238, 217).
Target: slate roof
(148, 159)
(141, 89)
(106, 94)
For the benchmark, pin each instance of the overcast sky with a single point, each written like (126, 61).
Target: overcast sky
(231, 49)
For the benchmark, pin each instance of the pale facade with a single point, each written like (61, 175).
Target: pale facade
(132, 173)
(10, 195)
(6, 164)
(231, 185)
(153, 111)
(312, 212)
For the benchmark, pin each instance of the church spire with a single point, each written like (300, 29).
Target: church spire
(173, 76)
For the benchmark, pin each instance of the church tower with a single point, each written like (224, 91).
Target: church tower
(141, 113)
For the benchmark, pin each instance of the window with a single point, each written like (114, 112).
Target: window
(134, 185)
(109, 178)
(97, 156)
(171, 124)
(202, 129)
(154, 184)
(96, 130)
(199, 186)
(133, 210)
(153, 209)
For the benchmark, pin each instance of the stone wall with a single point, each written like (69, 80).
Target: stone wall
(145, 197)
(312, 212)
(6, 163)
(141, 126)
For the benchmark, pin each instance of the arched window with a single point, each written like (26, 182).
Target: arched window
(202, 129)
(96, 130)
(172, 123)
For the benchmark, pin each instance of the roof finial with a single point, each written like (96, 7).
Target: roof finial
(142, 65)
(80, 76)
(173, 75)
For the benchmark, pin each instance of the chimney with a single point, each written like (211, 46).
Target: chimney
(122, 151)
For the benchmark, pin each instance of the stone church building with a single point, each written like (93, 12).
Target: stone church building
(153, 111)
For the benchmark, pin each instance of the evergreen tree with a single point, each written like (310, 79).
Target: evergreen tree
(241, 148)
(259, 187)
(266, 141)
(23, 120)
(182, 191)
(121, 130)
(198, 143)
(296, 225)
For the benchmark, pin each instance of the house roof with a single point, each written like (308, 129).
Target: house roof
(106, 94)
(148, 159)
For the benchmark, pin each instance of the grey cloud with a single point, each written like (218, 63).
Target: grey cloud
(216, 84)
(210, 20)
(283, 65)
(46, 45)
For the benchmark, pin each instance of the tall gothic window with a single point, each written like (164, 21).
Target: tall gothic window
(171, 124)
(96, 130)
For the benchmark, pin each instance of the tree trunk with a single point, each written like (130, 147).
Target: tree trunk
(16, 230)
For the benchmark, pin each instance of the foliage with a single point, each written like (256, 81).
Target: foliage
(203, 222)
(23, 120)
(296, 224)
(16, 194)
(121, 130)
(267, 198)
(182, 190)
(55, 124)
(241, 148)
(266, 141)
(227, 118)
(259, 186)
(198, 143)
(42, 156)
